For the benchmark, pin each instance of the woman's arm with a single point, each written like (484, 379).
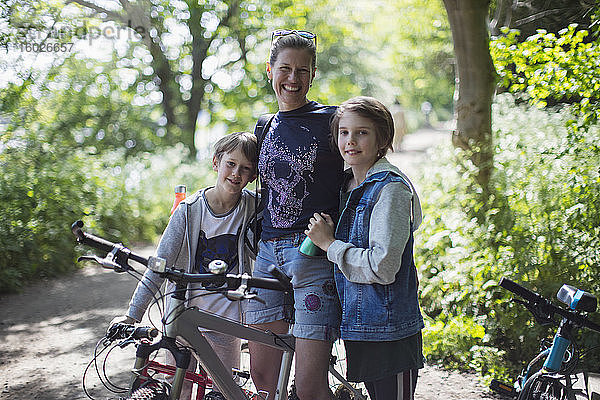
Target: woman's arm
(389, 230)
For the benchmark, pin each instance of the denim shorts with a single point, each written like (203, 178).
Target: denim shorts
(315, 306)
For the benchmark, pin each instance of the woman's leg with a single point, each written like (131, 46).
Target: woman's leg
(265, 361)
(312, 364)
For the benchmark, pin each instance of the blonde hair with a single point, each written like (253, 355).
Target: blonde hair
(245, 141)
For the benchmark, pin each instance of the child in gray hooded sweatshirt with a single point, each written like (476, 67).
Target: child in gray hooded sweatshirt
(206, 226)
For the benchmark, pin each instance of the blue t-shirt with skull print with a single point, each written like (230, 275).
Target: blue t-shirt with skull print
(299, 169)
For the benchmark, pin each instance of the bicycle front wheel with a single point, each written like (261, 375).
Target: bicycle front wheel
(545, 386)
(342, 389)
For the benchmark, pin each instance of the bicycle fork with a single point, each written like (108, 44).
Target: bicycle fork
(181, 355)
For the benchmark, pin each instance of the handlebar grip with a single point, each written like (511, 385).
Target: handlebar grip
(145, 332)
(89, 239)
(102, 244)
(521, 291)
(125, 331)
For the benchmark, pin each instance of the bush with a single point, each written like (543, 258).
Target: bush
(41, 194)
(45, 188)
(541, 228)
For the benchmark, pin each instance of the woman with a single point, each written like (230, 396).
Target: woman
(302, 175)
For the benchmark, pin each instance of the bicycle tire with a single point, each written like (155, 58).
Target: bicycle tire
(149, 390)
(544, 386)
(149, 393)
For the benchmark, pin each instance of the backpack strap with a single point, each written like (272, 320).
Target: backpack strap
(260, 131)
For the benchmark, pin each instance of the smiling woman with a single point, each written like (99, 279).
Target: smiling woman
(301, 175)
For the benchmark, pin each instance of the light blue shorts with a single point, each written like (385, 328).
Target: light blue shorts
(316, 307)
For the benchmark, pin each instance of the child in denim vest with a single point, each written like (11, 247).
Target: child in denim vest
(372, 248)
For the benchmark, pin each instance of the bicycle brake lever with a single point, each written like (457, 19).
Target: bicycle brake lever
(126, 343)
(543, 318)
(235, 295)
(104, 262)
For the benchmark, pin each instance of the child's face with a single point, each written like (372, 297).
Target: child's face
(234, 171)
(357, 140)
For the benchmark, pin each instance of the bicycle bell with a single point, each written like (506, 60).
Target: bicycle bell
(217, 267)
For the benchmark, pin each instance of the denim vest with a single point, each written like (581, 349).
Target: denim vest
(375, 312)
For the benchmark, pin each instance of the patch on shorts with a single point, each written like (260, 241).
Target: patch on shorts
(312, 302)
(329, 288)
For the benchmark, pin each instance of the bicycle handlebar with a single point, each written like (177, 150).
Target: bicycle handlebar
(121, 254)
(537, 301)
(102, 244)
(126, 331)
(522, 291)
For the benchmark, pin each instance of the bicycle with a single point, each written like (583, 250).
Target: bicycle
(179, 321)
(554, 380)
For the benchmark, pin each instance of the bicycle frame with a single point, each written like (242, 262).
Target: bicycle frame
(556, 367)
(185, 325)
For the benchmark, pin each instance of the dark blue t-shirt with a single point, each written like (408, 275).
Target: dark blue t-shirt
(298, 168)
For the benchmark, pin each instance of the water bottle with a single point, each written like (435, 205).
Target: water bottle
(308, 248)
(179, 196)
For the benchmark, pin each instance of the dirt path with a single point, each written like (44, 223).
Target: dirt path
(48, 332)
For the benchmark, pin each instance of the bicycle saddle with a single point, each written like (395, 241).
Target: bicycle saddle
(577, 299)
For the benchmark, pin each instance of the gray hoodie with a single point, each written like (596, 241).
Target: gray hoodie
(178, 247)
(382, 260)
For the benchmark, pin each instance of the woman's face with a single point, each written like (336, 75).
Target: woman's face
(291, 76)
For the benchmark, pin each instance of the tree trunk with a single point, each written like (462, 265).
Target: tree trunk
(475, 81)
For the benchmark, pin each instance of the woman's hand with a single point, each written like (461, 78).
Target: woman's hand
(320, 230)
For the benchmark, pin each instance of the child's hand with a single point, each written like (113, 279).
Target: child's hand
(320, 230)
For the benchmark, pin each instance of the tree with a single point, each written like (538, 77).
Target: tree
(182, 39)
(476, 76)
(177, 59)
(475, 84)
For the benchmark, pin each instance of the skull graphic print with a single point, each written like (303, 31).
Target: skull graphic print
(287, 172)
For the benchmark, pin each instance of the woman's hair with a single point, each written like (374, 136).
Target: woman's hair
(293, 41)
(374, 110)
(245, 141)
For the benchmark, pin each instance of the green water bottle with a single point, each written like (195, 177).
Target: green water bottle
(308, 248)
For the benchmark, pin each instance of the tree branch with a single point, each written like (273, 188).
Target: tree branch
(110, 14)
(539, 15)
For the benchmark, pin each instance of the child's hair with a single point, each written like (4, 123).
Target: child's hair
(245, 141)
(370, 108)
(293, 42)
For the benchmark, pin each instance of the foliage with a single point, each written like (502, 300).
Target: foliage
(530, 15)
(146, 90)
(420, 61)
(551, 69)
(44, 188)
(459, 342)
(541, 228)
